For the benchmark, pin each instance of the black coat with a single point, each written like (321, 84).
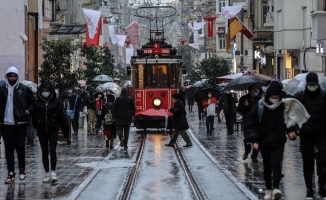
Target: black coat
(227, 103)
(179, 118)
(23, 100)
(245, 110)
(73, 104)
(270, 131)
(49, 115)
(123, 109)
(316, 107)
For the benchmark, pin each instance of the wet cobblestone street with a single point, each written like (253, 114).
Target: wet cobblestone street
(228, 151)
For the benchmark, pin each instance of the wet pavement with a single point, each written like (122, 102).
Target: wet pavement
(228, 151)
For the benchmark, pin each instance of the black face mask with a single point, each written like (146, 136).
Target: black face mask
(12, 82)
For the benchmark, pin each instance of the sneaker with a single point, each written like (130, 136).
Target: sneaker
(122, 142)
(310, 194)
(277, 194)
(268, 195)
(22, 174)
(54, 177)
(46, 178)
(10, 179)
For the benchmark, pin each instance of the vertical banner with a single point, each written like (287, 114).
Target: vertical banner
(112, 34)
(121, 40)
(129, 53)
(132, 32)
(210, 25)
(93, 27)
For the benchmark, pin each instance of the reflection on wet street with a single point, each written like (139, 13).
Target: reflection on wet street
(228, 151)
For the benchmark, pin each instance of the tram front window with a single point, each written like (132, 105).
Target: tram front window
(162, 77)
(157, 76)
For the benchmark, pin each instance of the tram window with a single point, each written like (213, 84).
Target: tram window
(162, 76)
(172, 73)
(151, 76)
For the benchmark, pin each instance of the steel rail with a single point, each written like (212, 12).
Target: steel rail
(188, 173)
(132, 178)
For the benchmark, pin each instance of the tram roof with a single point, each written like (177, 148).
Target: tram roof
(154, 61)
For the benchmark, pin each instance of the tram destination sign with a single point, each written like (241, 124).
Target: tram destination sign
(156, 49)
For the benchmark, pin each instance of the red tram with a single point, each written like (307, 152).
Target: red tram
(156, 73)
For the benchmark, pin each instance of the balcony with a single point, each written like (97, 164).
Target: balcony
(318, 25)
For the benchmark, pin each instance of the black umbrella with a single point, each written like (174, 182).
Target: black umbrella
(202, 93)
(243, 82)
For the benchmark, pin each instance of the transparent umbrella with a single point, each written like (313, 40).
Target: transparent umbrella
(298, 83)
(31, 85)
(109, 86)
(103, 78)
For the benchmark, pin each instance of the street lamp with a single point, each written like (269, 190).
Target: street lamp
(106, 2)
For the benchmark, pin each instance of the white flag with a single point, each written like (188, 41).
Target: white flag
(129, 53)
(229, 12)
(121, 40)
(92, 17)
(197, 26)
(112, 34)
(194, 45)
(190, 26)
(197, 36)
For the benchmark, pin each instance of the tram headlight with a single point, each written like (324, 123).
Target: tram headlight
(157, 102)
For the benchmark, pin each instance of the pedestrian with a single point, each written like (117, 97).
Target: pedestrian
(312, 133)
(246, 103)
(123, 112)
(16, 105)
(99, 105)
(109, 129)
(209, 105)
(49, 120)
(190, 99)
(91, 110)
(228, 104)
(75, 102)
(199, 103)
(179, 121)
(268, 122)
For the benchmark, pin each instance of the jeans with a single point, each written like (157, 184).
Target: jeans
(272, 160)
(123, 132)
(209, 123)
(14, 137)
(75, 122)
(45, 139)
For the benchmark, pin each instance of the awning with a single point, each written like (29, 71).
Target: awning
(65, 29)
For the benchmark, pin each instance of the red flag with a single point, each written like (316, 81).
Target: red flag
(210, 25)
(96, 39)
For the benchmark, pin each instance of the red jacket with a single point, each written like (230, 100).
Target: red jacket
(205, 102)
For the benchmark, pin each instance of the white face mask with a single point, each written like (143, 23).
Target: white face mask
(273, 100)
(45, 94)
(209, 95)
(312, 87)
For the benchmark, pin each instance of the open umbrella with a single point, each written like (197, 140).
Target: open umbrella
(201, 94)
(110, 86)
(31, 85)
(243, 82)
(103, 78)
(127, 83)
(197, 85)
(298, 83)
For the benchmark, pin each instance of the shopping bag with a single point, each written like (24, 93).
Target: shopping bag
(211, 109)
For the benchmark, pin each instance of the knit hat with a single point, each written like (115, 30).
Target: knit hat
(312, 78)
(176, 96)
(274, 89)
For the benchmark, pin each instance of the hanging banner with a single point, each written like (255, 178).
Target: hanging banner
(229, 12)
(210, 25)
(93, 28)
(194, 45)
(129, 53)
(197, 36)
(112, 34)
(132, 32)
(121, 40)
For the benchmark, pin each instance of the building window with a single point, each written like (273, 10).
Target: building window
(221, 41)
(221, 3)
(265, 11)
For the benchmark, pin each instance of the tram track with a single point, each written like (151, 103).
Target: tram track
(130, 183)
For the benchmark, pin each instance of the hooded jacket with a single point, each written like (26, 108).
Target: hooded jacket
(123, 109)
(16, 101)
(49, 114)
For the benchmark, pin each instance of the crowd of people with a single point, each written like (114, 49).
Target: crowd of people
(23, 112)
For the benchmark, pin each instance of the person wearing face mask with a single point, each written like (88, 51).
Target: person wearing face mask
(228, 104)
(49, 119)
(313, 133)
(269, 121)
(179, 121)
(209, 100)
(16, 105)
(109, 130)
(246, 103)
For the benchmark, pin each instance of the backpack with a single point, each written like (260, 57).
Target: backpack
(108, 119)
